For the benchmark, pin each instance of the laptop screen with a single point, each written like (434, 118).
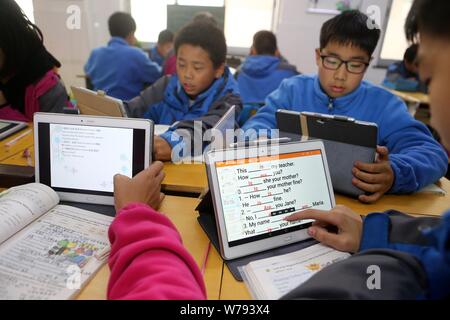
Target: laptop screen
(85, 158)
(257, 193)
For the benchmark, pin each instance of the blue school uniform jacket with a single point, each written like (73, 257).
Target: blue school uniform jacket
(167, 103)
(121, 70)
(155, 56)
(416, 158)
(260, 75)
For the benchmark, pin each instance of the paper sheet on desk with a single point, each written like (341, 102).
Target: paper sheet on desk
(271, 278)
(433, 188)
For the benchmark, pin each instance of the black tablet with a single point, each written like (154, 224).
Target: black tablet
(346, 140)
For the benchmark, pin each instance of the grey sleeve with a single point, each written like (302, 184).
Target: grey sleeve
(373, 274)
(136, 107)
(54, 100)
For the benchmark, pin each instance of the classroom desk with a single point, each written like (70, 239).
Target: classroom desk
(183, 178)
(181, 211)
(414, 97)
(20, 145)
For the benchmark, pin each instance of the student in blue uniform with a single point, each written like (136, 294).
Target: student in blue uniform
(403, 75)
(262, 71)
(408, 156)
(163, 47)
(120, 69)
(202, 90)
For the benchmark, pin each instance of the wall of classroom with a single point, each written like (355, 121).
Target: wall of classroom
(297, 31)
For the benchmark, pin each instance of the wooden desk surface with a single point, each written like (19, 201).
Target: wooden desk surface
(18, 147)
(414, 97)
(189, 178)
(181, 211)
(185, 177)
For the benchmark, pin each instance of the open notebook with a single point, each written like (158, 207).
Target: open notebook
(47, 251)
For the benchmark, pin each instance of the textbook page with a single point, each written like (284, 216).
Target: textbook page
(21, 205)
(271, 278)
(55, 256)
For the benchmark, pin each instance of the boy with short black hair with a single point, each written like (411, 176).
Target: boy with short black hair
(120, 69)
(202, 90)
(163, 47)
(262, 71)
(408, 156)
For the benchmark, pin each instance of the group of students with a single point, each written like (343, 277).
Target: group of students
(151, 263)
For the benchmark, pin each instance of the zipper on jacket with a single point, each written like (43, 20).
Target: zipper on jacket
(330, 104)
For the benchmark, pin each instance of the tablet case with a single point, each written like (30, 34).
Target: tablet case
(13, 175)
(345, 140)
(97, 103)
(207, 221)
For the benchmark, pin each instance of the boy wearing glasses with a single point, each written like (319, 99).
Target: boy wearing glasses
(408, 156)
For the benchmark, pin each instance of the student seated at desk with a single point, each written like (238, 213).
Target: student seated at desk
(413, 254)
(28, 80)
(120, 69)
(163, 47)
(263, 70)
(403, 75)
(409, 158)
(202, 90)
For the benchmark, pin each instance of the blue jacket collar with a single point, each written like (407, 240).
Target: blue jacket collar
(260, 65)
(341, 103)
(118, 41)
(180, 100)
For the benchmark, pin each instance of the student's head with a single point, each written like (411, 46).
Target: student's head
(201, 51)
(264, 43)
(347, 37)
(409, 58)
(205, 17)
(122, 24)
(165, 42)
(430, 19)
(18, 39)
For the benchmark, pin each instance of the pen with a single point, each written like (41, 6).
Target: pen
(13, 141)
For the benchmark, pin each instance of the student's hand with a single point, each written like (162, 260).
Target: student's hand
(347, 223)
(143, 188)
(162, 149)
(376, 178)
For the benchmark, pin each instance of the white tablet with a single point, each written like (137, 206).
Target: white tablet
(254, 188)
(78, 156)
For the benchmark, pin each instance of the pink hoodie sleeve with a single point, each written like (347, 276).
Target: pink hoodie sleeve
(148, 260)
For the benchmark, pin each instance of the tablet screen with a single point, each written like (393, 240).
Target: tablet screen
(84, 158)
(257, 193)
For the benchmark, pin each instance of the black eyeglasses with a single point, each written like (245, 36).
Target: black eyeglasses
(352, 66)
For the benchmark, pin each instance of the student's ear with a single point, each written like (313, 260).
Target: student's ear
(318, 58)
(219, 71)
(277, 53)
(131, 39)
(253, 51)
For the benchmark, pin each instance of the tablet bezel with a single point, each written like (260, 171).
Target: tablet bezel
(229, 253)
(11, 128)
(80, 120)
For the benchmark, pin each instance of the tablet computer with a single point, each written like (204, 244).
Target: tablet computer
(97, 103)
(254, 188)
(78, 156)
(8, 127)
(346, 140)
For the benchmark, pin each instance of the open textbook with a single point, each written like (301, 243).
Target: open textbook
(271, 278)
(47, 251)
